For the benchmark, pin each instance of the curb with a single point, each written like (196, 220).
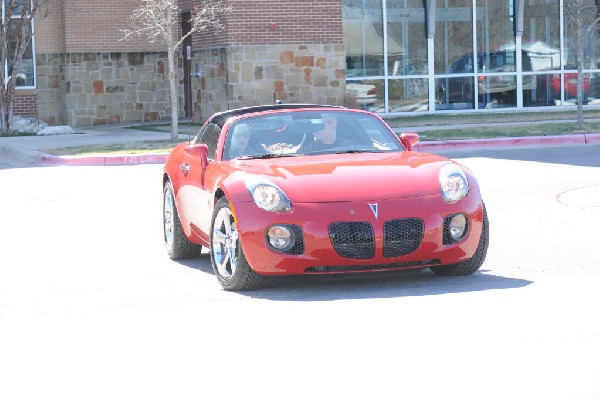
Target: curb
(35, 157)
(453, 145)
(102, 160)
(25, 156)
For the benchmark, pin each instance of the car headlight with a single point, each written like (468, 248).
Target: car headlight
(453, 183)
(266, 195)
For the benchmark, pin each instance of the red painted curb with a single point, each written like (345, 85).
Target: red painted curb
(592, 138)
(104, 160)
(424, 146)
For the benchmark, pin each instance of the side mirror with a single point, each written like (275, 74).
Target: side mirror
(199, 150)
(409, 140)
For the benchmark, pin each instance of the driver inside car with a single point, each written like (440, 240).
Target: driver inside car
(328, 137)
(242, 144)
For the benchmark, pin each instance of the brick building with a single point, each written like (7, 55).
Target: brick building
(86, 75)
(397, 56)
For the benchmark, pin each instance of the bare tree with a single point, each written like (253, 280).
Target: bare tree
(584, 18)
(16, 34)
(157, 20)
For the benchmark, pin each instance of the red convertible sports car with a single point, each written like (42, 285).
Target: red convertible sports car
(312, 190)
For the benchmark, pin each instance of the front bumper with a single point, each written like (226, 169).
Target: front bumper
(319, 256)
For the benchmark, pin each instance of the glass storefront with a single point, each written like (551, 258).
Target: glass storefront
(478, 54)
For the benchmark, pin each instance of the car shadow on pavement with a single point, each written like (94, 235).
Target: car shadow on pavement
(202, 263)
(393, 284)
(408, 283)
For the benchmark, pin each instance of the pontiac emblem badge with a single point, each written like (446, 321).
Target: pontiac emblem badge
(374, 208)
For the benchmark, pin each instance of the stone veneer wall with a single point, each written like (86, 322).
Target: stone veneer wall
(254, 75)
(82, 89)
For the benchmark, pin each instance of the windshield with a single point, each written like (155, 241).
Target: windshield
(308, 133)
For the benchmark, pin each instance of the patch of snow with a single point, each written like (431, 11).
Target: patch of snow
(55, 130)
(27, 125)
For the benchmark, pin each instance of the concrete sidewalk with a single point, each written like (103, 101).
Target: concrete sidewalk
(29, 150)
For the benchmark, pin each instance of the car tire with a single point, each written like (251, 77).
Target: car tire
(226, 255)
(472, 265)
(178, 245)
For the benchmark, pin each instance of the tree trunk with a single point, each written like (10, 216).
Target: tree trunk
(7, 105)
(4, 122)
(580, 80)
(174, 97)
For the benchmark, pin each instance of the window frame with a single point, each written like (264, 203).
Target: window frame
(32, 44)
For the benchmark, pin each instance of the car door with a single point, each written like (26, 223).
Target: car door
(195, 194)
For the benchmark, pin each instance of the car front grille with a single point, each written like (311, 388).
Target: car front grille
(356, 240)
(298, 247)
(402, 236)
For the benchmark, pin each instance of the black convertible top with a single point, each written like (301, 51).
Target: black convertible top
(220, 117)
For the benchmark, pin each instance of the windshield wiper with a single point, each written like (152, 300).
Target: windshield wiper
(357, 151)
(267, 156)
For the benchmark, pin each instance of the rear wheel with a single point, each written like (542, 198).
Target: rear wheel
(472, 265)
(226, 254)
(178, 246)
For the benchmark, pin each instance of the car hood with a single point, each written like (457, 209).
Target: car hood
(352, 177)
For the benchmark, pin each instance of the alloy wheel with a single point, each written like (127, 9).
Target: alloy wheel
(225, 244)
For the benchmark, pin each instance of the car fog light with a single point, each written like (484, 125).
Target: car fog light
(458, 226)
(280, 237)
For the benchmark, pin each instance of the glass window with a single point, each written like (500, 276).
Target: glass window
(366, 94)
(26, 70)
(495, 25)
(406, 39)
(453, 55)
(583, 12)
(454, 93)
(363, 37)
(593, 91)
(453, 36)
(17, 7)
(496, 55)
(408, 95)
(541, 50)
(541, 34)
(210, 137)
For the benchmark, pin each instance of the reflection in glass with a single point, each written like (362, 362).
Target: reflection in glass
(365, 94)
(25, 72)
(497, 91)
(594, 89)
(406, 42)
(541, 49)
(495, 25)
(547, 89)
(496, 54)
(16, 7)
(453, 33)
(408, 95)
(541, 33)
(543, 94)
(454, 93)
(363, 37)
(587, 11)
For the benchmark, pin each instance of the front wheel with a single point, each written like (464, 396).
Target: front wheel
(178, 246)
(226, 254)
(472, 265)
